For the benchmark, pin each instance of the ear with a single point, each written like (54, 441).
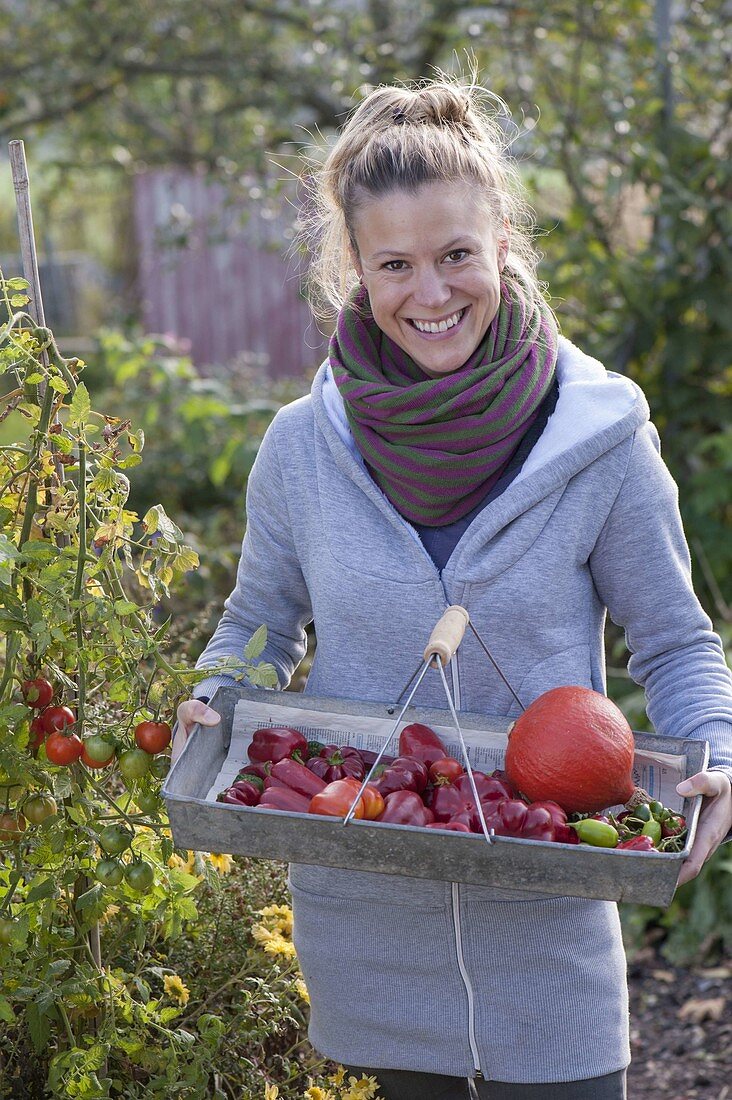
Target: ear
(355, 260)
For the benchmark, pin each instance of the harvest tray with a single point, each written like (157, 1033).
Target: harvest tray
(212, 756)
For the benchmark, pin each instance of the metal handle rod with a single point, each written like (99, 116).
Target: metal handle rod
(384, 747)
(493, 661)
(487, 833)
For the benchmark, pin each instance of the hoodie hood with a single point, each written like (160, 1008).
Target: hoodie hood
(592, 401)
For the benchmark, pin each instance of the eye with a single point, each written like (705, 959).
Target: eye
(457, 255)
(395, 265)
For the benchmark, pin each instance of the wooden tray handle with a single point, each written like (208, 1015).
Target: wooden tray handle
(447, 634)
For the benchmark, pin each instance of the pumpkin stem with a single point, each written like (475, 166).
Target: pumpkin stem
(638, 798)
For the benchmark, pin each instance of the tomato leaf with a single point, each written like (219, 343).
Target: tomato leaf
(6, 1011)
(80, 406)
(45, 889)
(256, 643)
(38, 1026)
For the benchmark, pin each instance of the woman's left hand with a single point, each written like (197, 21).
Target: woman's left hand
(715, 819)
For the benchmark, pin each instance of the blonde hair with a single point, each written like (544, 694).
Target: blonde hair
(401, 137)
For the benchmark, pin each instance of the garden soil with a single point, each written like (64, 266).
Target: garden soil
(681, 1030)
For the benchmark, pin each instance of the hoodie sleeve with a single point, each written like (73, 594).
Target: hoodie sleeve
(642, 571)
(270, 587)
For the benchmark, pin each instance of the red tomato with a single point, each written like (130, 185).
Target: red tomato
(445, 770)
(12, 826)
(62, 748)
(153, 737)
(335, 800)
(37, 693)
(57, 718)
(371, 797)
(37, 734)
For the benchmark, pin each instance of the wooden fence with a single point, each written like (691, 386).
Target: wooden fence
(216, 275)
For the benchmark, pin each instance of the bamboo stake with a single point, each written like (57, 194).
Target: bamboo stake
(21, 183)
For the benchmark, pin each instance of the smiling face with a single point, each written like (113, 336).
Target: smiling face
(431, 261)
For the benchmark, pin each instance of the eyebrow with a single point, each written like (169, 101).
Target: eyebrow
(463, 239)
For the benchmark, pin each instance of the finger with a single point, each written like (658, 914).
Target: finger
(194, 711)
(706, 783)
(711, 830)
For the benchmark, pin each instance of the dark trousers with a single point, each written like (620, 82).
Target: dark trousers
(399, 1084)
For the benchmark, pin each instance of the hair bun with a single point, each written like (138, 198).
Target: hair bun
(442, 106)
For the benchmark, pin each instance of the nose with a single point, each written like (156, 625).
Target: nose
(430, 288)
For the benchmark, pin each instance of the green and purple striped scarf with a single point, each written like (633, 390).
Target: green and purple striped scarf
(436, 446)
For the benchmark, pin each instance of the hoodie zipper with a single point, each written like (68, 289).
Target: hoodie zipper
(456, 919)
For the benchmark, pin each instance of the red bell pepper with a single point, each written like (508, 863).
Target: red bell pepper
(458, 798)
(672, 826)
(297, 777)
(421, 742)
(275, 743)
(284, 798)
(334, 762)
(538, 824)
(638, 844)
(405, 774)
(369, 758)
(241, 794)
(565, 834)
(405, 808)
(453, 826)
(558, 815)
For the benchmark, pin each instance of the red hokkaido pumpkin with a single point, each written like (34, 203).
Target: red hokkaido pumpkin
(574, 746)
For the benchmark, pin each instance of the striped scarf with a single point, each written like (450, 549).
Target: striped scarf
(436, 446)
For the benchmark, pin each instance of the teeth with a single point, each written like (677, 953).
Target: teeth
(441, 326)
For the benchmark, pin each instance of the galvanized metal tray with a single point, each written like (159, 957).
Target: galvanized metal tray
(202, 824)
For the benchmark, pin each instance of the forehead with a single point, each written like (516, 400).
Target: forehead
(433, 213)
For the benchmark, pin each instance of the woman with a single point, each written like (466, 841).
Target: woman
(455, 449)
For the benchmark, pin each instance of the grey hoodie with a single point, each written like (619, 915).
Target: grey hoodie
(447, 978)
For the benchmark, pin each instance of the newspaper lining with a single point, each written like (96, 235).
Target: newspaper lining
(657, 772)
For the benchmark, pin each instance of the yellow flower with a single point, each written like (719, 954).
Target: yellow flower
(176, 863)
(175, 988)
(271, 1092)
(275, 911)
(302, 989)
(261, 933)
(316, 1093)
(222, 862)
(338, 1076)
(278, 945)
(361, 1088)
(109, 912)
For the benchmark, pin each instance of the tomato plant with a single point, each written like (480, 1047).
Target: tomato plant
(153, 737)
(82, 579)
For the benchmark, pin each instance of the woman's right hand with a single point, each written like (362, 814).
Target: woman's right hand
(190, 713)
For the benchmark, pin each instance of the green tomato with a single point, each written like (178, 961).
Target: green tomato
(110, 872)
(134, 763)
(160, 766)
(115, 838)
(37, 807)
(148, 801)
(98, 748)
(139, 874)
(7, 924)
